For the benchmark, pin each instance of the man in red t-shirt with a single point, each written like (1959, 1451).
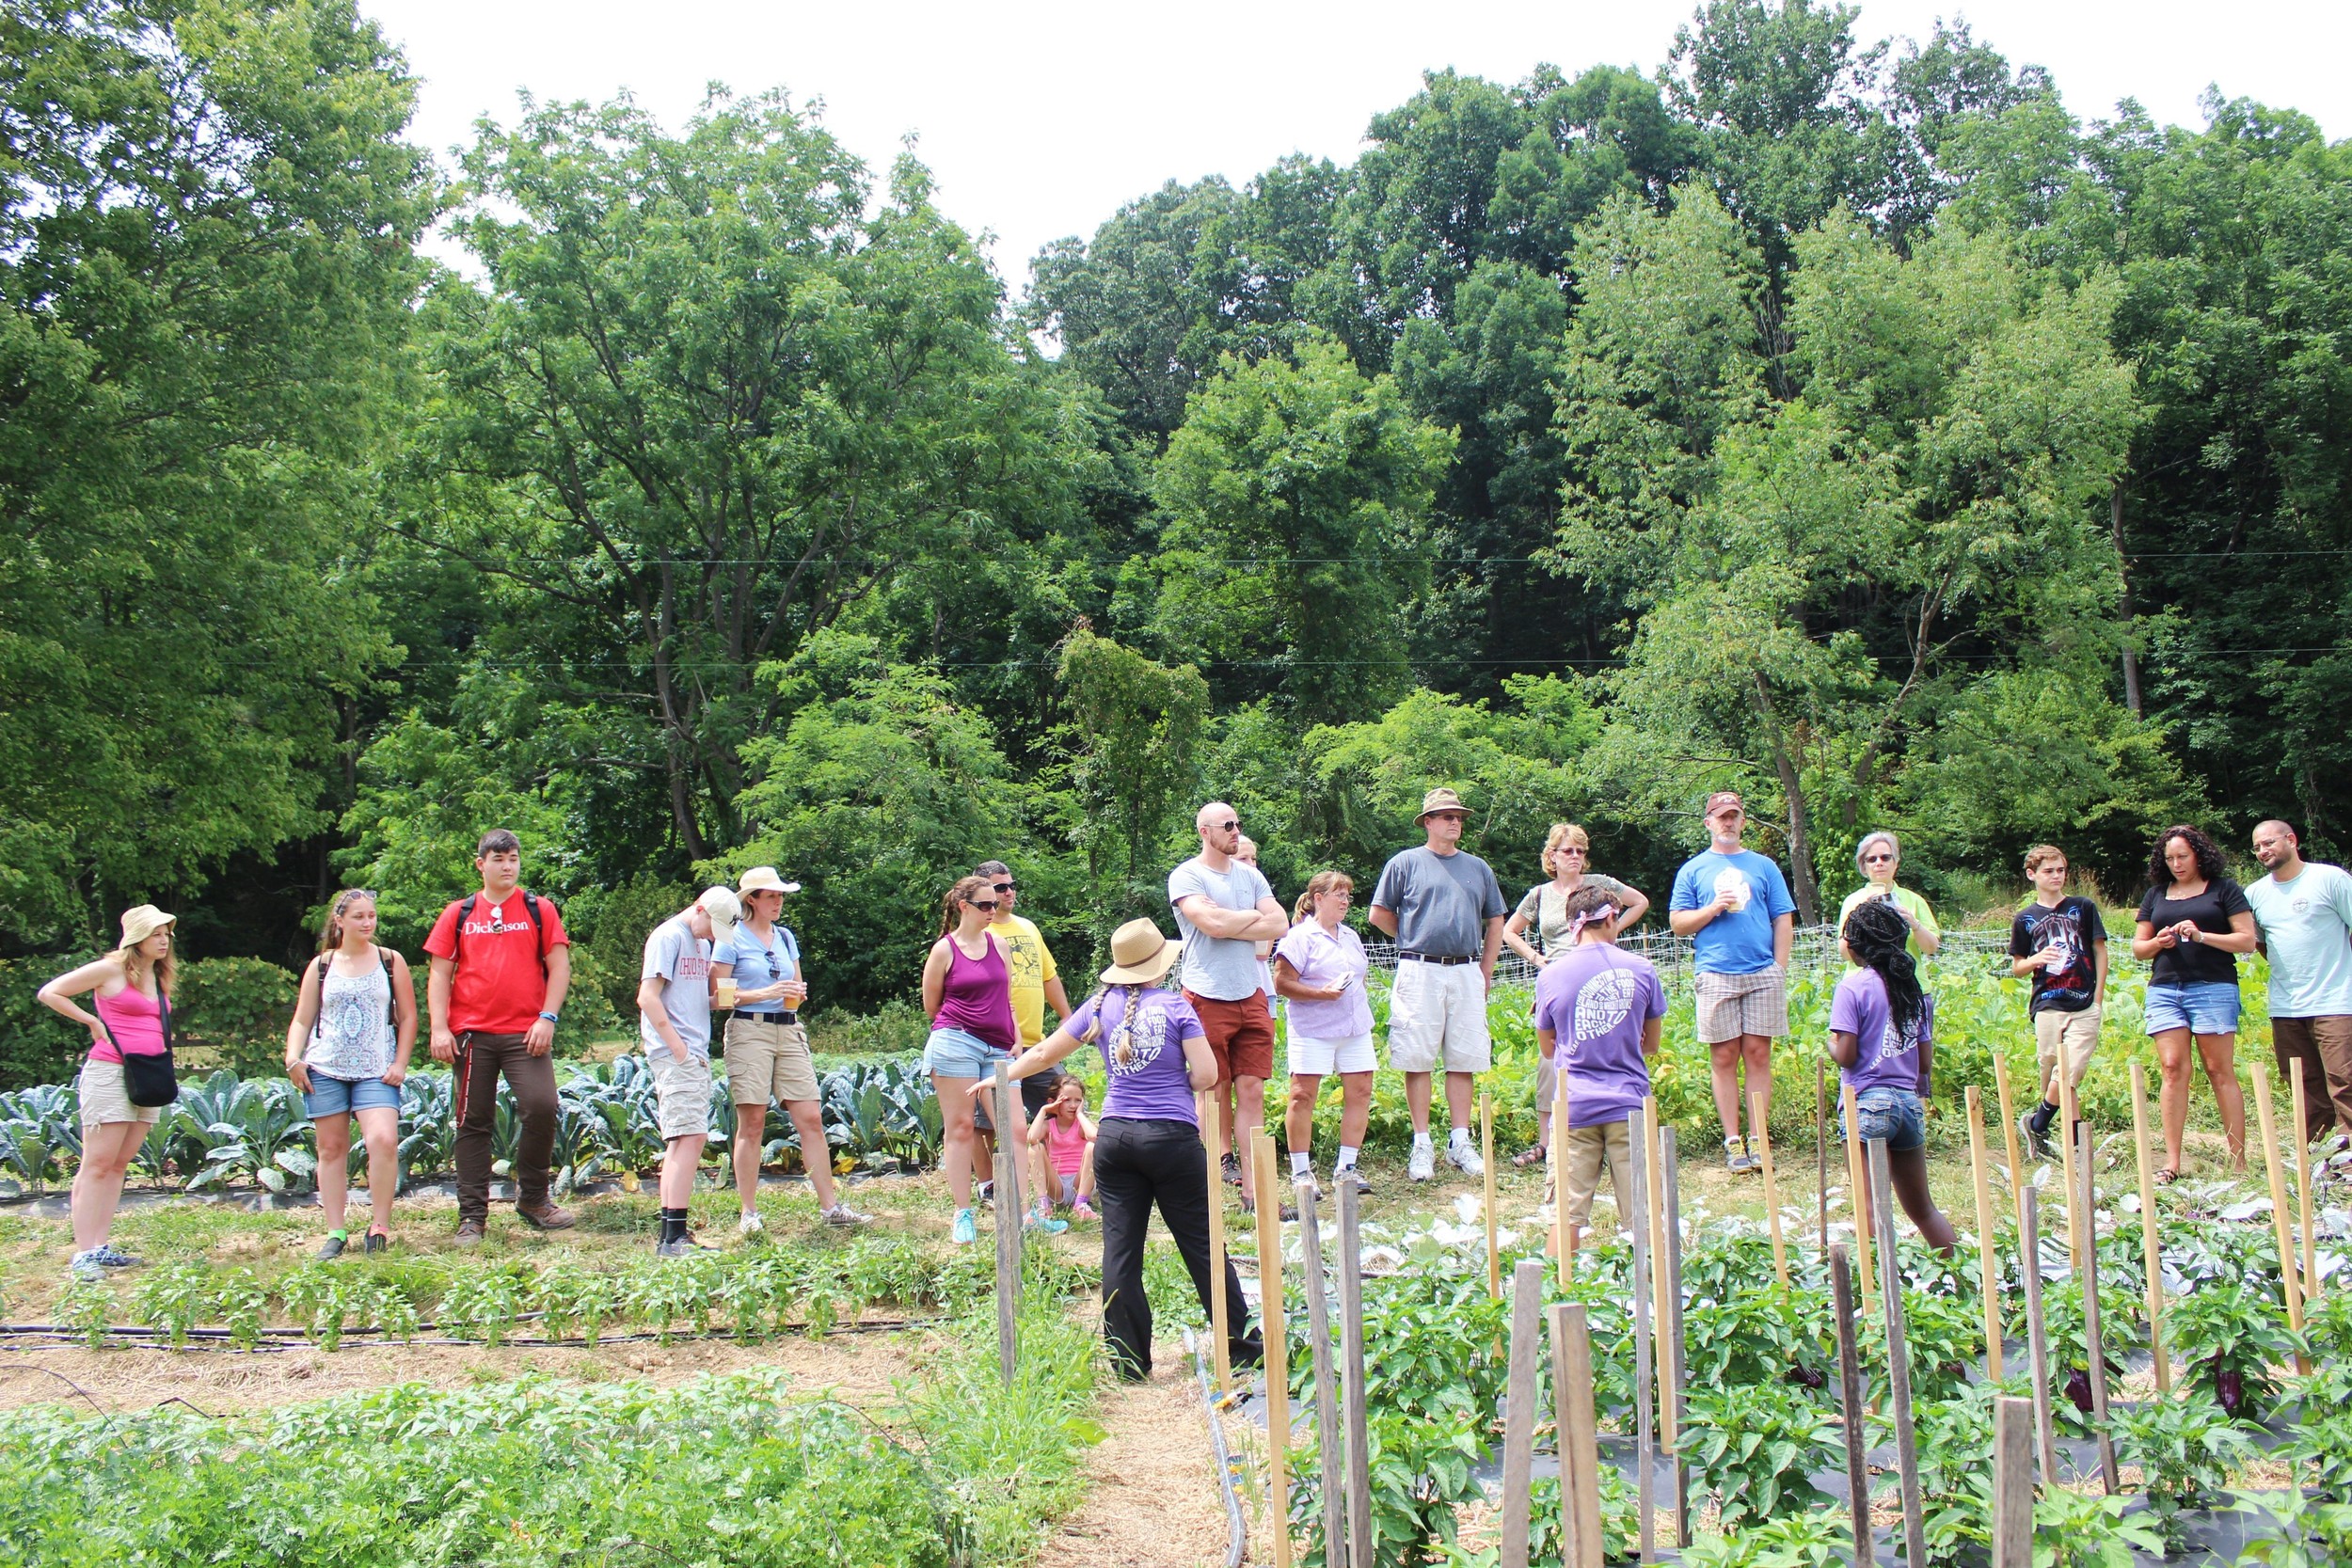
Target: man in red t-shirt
(500, 966)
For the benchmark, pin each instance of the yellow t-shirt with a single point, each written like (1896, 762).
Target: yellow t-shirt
(1029, 963)
(1904, 898)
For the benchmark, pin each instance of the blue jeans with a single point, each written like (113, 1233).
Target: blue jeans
(2208, 1008)
(953, 1054)
(1898, 1116)
(333, 1097)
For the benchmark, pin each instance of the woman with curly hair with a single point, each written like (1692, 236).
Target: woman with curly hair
(2193, 924)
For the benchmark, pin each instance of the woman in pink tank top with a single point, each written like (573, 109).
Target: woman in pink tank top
(967, 991)
(132, 989)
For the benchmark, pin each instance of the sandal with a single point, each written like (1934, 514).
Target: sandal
(2165, 1177)
(1534, 1154)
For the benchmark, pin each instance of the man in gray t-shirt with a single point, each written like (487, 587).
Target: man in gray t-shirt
(674, 1021)
(1224, 909)
(1445, 910)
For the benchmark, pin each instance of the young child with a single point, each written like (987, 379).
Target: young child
(1062, 1140)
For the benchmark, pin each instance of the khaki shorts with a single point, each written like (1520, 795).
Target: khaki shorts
(681, 1095)
(2076, 1033)
(1438, 1016)
(1580, 1154)
(1730, 1005)
(768, 1060)
(104, 1100)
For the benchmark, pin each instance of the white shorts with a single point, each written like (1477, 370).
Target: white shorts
(1315, 1058)
(681, 1095)
(1438, 1014)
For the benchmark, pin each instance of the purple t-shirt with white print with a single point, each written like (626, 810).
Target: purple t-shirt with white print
(1596, 1001)
(1885, 1057)
(1143, 1065)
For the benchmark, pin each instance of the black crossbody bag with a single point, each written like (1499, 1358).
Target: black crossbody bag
(148, 1077)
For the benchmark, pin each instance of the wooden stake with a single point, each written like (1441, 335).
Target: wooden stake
(1556, 1159)
(1008, 1217)
(1670, 1314)
(2288, 1284)
(1849, 1401)
(1518, 1410)
(1644, 1441)
(1897, 1358)
(2037, 1337)
(1220, 1324)
(1278, 1382)
(2151, 1233)
(1656, 1170)
(1579, 1436)
(1352, 1382)
(2094, 1346)
(1857, 1183)
(2067, 1169)
(2300, 1143)
(1330, 1457)
(2008, 1131)
(1988, 1253)
(1486, 1146)
(2012, 1483)
(1820, 1156)
(1772, 1187)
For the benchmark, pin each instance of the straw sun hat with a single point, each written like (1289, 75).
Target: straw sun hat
(1140, 954)
(144, 921)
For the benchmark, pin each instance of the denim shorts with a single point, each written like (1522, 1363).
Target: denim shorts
(2208, 1008)
(332, 1097)
(953, 1054)
(1898, 1116)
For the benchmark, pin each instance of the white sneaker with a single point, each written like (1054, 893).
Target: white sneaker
(1424, 1163)
(842, 1214)
(1465, 1158)
(749, 1224)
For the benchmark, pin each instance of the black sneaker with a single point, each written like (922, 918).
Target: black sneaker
(1232, 1171)
(2037, 1140)
(377, 1240)
(331, 1247)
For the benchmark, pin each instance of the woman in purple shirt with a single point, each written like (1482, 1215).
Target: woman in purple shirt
(967, 990)
(1147, 1145)
(1881, 1034)
(1598, 1013)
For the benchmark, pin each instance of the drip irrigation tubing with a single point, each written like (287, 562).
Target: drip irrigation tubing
(133, 1337)
(1237, 1527)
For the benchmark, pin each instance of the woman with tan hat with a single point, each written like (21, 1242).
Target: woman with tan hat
(1147, 1147)
(758, 972)
(133, 995)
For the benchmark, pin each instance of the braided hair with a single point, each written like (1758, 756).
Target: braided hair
(1878, 937)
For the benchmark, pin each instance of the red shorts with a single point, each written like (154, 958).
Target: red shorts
(1240, 1035)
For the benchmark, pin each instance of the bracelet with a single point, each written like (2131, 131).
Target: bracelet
(552, 1018)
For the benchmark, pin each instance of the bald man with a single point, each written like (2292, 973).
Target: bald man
(2303, 922)
(1224, 909)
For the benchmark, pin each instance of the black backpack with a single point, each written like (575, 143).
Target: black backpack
(538, 929)
(391, 1006)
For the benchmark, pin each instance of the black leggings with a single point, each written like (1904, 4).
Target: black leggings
(1136, 1165)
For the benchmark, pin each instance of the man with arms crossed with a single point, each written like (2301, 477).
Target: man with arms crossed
(1734, 905)
(500, 966)
(1224, 909)
(1446, 910)
(2303, 914)
(2060, 941)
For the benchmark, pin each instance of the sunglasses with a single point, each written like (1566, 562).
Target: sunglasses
(1006, 887)
(1571, 849)
(981, 903)
(1874, 860)
(1232, 827)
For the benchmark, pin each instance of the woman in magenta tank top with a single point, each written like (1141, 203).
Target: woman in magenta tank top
(132, 989)
(967, 993)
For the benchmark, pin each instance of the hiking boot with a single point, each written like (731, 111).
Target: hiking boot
(331, 1247)
(470, 1233)
(546, 1217)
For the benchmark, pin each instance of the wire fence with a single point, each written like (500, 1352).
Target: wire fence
(1814, 950)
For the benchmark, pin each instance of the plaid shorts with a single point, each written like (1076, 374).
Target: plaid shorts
(1730, 1005)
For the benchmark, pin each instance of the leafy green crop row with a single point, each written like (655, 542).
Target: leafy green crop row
(225, 1130)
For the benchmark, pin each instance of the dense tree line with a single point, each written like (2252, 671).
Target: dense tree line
(1850, 422)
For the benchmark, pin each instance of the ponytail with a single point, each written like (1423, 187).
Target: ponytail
(961, 893)
(1317, 885)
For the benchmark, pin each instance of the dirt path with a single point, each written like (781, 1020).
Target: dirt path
(1152, 1499)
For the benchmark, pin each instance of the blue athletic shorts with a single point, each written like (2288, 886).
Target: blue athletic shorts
(2208, 1008)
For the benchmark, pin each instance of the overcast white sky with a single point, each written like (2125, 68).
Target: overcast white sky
(1039, 119)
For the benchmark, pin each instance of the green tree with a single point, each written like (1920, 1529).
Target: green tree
(1133, 770)
(206, 215)
(1295, 495)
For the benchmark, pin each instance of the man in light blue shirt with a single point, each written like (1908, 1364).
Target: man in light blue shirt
(1734, 906)
(2303, 913)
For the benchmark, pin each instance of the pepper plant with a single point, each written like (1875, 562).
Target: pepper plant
(1756, 1447)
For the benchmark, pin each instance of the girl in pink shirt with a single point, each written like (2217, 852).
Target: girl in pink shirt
(1061, 1141)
